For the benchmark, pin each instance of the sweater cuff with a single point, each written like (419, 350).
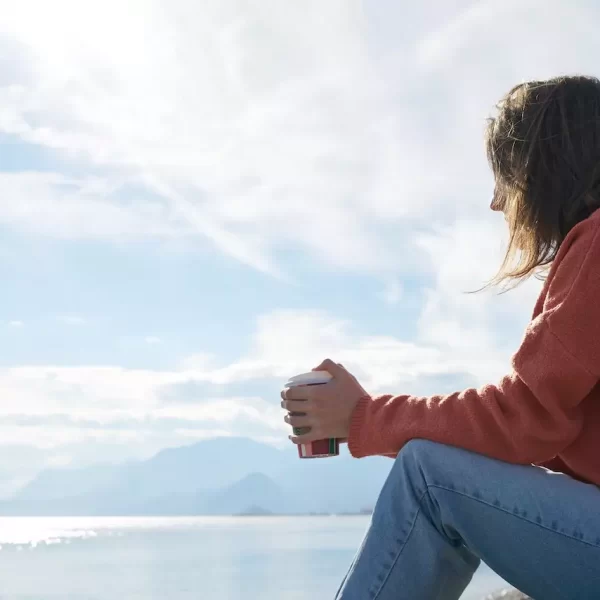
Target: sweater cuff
(355, 443)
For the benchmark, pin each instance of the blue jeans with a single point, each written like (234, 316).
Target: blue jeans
(442, 509)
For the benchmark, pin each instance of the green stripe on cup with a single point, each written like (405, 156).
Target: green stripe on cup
(301, 430)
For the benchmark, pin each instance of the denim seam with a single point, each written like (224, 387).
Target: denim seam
(412, 527)
(508, 512)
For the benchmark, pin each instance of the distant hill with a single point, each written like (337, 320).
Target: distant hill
(212, 477)
(255, 493)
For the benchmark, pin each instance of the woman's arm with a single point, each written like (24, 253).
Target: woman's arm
(533, 413)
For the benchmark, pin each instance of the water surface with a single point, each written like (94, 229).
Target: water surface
(237, 558)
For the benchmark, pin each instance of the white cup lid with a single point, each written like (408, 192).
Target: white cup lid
(312, 378)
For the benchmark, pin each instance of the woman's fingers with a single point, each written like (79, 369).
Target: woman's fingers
(303, 392)
(313, 435)
(327, 407)
(296, 420)
(297, 405)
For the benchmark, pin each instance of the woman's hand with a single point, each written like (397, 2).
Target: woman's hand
(327, 408)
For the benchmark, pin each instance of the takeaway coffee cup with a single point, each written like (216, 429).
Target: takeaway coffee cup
(318, 448)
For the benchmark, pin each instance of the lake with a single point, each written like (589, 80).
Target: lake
(236, 558)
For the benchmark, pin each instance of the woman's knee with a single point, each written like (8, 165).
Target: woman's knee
(440, 465)
(417, 466)
(418, 449)
(427, 460)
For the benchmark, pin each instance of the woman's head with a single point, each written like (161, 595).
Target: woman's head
(544, 149)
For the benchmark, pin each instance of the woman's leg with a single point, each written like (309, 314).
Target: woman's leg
(442, 509)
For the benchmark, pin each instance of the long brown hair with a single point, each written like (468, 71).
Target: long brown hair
(544, 149)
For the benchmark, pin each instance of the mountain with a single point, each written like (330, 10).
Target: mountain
(254, 493)
(335, 485)
(212, 477)
(55, 483)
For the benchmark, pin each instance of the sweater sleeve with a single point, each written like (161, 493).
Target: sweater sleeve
(533, 413)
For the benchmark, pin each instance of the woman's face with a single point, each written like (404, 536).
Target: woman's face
(496, 204)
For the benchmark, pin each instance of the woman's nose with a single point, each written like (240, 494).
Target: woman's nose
(495, 204)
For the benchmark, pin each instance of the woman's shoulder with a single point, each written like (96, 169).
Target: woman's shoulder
(570, 305)
(576, 267)
(584, 230)
(580, 246)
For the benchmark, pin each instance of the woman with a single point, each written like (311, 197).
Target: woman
(506, 473)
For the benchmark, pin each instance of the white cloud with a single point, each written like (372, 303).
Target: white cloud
(260, 126)
(16, 324)
(53, 406)
(453, 316)
(287, 342)
(54, 205)
(152, 340)
(271, 126)
(257, 127)
(483, 25)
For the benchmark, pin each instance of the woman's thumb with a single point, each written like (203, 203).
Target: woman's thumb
(331, 367)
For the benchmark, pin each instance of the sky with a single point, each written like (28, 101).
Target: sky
(199, 199)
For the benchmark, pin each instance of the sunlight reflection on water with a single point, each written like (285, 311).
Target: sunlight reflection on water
(271, 558)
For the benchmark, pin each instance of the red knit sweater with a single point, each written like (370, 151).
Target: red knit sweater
(547, 411)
